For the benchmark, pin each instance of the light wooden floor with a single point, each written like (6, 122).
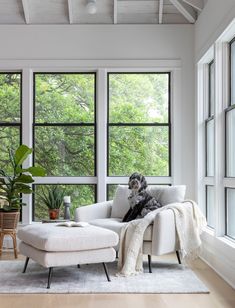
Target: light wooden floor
(221, 295)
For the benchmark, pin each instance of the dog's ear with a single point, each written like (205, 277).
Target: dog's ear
(143, 182)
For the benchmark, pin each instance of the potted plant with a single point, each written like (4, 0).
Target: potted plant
(52, 197)
(13, 185)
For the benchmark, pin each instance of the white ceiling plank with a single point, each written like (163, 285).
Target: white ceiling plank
(160, 11)
(197, 4)
(186, 10)
(70, 10)
(115, 11)
(137, 7)
(25, 4)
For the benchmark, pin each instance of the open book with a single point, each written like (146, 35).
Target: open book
(73, 224)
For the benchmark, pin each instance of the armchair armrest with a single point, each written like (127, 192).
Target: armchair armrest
(164, 238)
(93, 211)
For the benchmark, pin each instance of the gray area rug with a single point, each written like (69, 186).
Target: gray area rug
(166, 278)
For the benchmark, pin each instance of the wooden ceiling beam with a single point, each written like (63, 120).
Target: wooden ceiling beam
(25, 4)
(197, 4)
(115, 11)
(160, 11)
(186, 10)
(70, 11)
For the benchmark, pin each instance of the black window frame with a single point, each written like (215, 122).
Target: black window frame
(81, 124)
(15, 124)
(154, 124)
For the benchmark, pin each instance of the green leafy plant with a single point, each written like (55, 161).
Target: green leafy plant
(18, 182)
(52, 197)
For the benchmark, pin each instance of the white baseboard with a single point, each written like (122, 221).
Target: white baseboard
(219, 256)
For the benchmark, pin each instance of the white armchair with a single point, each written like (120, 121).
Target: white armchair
(159, 238)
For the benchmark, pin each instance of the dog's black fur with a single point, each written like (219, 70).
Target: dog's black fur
(141, 202)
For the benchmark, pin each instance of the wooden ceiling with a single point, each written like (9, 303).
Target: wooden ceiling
(108, 11)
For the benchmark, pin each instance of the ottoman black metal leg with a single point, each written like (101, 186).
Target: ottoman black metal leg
(106, 271)
(26, 264)
(150, 263)
(49, 277)
(178, 256)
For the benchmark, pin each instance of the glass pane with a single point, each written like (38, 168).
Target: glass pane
(64, 98)
(10, 97)
(80, 195)
(210, 206)
(139, 149)
(138, 98)
(233, 73)
(9, 139)
(210, 146)
(65, 151)
(230, 212)
(230, 143)
(212, 88)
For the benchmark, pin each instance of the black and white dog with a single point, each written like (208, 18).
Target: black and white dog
(141, 202)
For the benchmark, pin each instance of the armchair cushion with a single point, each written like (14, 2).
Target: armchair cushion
(116, 224)
(163, 194)
(93, 211)
(120, 202)
(167, 194)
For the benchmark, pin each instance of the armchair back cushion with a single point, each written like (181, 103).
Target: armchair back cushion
(163, 194)
(120, 202)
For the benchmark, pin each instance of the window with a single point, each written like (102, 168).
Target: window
(210, 206)
(139, 124)
(210, 140)
(10, 115)
(64, 133)
(80, 195)
(210, 147)
(230, 141)
(230, 212)
(232, 70)
(64, 123)
(211, 108)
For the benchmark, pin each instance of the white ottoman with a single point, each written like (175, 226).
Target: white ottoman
(51, 246)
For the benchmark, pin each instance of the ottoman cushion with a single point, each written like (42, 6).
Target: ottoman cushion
(50, 237)
(48, 259)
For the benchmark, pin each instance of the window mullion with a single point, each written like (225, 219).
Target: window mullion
(27, 135)
(101, 134)
(219, 142)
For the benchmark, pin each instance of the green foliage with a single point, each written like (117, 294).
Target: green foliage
(14, 184)
(52, 196)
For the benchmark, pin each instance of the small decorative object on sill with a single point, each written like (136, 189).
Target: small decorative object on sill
(52, 196)
(67, 204)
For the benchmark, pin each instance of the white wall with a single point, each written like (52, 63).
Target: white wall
(215, 17)
(132, 42)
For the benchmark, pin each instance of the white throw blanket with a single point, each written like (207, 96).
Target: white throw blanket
(189, 222)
